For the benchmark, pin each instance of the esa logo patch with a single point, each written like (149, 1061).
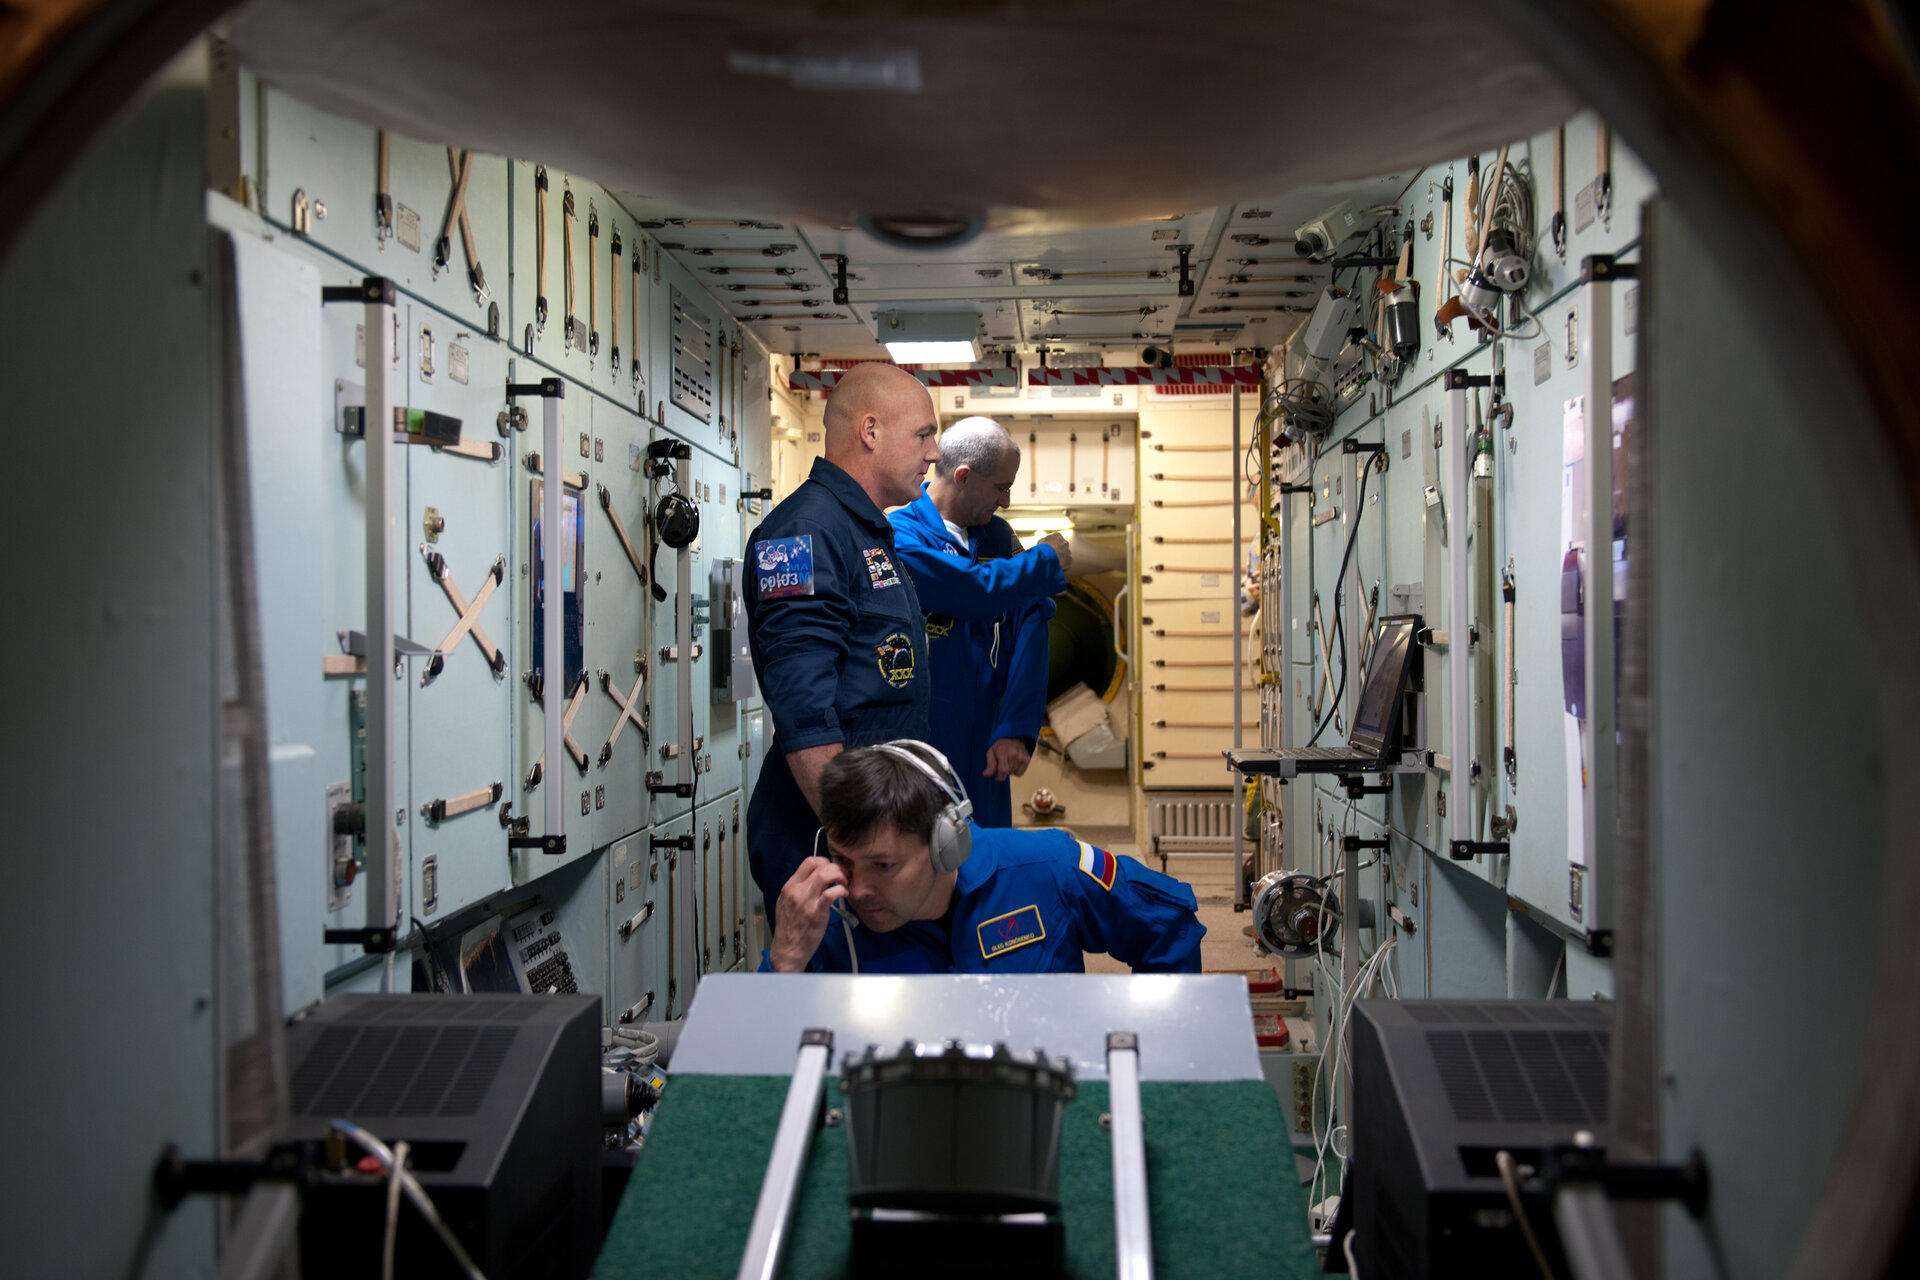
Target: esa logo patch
(880, 568)
(1010, 932)
(785, 566)
(896, 659)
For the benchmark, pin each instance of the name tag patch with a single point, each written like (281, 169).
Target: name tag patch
(1010, 932)
(785, 566)
(1099, 864)
(880, 568)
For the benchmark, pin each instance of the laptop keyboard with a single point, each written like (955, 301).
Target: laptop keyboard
(1321, 753)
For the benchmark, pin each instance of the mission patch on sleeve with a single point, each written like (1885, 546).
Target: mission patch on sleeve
(785, 566)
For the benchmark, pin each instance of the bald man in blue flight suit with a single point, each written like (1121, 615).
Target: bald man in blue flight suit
(1012, 902)
(987, 604)
(838, 639)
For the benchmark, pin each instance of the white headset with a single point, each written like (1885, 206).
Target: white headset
(952, 839)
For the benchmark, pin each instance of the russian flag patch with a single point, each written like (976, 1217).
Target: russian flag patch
(1099, 864)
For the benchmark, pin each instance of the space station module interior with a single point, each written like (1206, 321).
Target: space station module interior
(1462, 603)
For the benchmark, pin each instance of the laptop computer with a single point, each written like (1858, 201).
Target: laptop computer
(1376, 720)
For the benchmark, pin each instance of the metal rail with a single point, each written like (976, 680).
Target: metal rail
(791, 1142)
(1132, 1227)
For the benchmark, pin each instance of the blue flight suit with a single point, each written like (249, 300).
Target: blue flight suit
(839, 649)
(987, 609)
(1033, 902)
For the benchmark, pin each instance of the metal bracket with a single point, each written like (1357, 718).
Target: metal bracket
(374, 289)
(545, 844)
(840, 280)
(376, 940)
(175, 1177)
(1356, 786)
(1461, 380)
(1353, 844)
(1599, 267)
(683, 843)
(1686, 1182)
(1461, 850)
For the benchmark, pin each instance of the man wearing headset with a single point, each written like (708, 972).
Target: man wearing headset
(839, 643)
(931, 893)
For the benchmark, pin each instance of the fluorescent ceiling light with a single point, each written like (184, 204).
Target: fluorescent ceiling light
(934, 352)
(930, 337)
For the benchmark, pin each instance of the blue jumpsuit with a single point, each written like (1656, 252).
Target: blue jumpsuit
(987, 610)
(1033, 902)
(839, 649)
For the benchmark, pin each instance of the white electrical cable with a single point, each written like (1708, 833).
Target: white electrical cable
(1346, 1247)
(393, 1209)
(1330, 1060)
(414, 1192)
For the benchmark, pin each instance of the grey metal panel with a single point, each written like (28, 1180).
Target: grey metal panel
(637, 893)
(342, 486)
(1743, 522)
(616, 613)
(461, 720)
(278, 296)
(1192, 1027)
(335, 161)
(529, 721)
(110, 722)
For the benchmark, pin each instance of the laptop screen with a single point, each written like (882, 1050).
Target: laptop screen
(1373, 719)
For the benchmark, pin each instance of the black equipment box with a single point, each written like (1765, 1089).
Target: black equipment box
(499, 1097)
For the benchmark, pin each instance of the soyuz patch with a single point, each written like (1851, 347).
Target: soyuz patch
(880, 568)
(1099, 864)
(896, 659)
(1010, 932)
(784, 566)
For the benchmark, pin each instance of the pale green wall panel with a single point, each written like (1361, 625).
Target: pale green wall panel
(110, 638)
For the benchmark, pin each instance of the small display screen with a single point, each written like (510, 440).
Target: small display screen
(1386, 673)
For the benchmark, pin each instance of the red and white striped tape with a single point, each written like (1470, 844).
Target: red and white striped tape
(1145, 376)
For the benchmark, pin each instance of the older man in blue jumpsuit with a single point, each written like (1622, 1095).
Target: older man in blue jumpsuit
(1014, 902)
(838, 640)
(987, 605)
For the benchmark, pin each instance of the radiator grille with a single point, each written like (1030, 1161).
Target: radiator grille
(1192, 822)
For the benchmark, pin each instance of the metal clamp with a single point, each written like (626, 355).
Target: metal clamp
(1461, 850)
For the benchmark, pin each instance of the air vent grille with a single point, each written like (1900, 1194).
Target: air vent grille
(1521, 1077)
(383, 1070)
(692, 367)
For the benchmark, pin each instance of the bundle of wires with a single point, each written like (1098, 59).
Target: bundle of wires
(1339, 587)
(1333, 1055)
(393, 1163)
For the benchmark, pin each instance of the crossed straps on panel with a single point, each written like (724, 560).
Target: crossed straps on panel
(576, 699)
(469, 623)
(633, 708)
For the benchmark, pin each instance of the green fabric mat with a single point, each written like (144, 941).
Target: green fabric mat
(1219, 1165)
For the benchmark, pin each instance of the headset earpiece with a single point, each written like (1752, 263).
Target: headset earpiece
(952, 838)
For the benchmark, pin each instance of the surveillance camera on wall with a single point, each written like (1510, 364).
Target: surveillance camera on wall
(1320, 237)
(1328, 329)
